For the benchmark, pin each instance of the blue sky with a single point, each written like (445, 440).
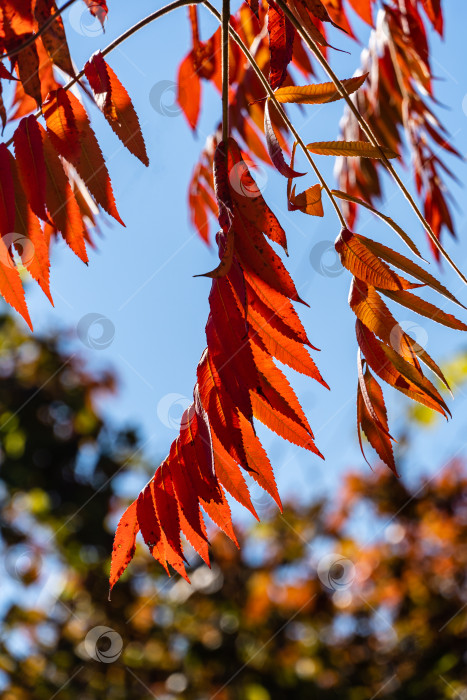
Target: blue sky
(141, 279)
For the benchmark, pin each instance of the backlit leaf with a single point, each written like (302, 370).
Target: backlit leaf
(360, 149)
(317, 93)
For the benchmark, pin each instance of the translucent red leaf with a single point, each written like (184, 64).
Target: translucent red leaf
(274, 149)
(54, 38)
(260, 466)
(90, 162)
(99, 9)
(281, 40)
(61, 124)
(124, 544)
(29, 237)
(61, 202)
(231, 477)
(30, 160)
(7, 193)
(115, 103)
(189, 89)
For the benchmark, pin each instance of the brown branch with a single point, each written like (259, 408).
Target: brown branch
(225, 23)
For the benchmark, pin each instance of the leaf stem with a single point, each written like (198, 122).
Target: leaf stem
(225, 23)
(310, 42)
(280, 109)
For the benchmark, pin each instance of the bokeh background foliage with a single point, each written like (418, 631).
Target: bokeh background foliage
(360, 595)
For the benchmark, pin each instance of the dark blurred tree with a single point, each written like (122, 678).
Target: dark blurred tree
(364, 600)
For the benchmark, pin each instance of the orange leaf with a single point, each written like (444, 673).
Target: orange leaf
(29, 238)
(191, 519)
(61, 203)
(318, 93)
(420, 306)
(355, 254)
(261, 469)
(360, 149)
(230, 476)
(98, 8)
(411, 268)
(124, 544)
(308, 202)
(53, 39)
(394, 370)
(189, 89)
(372, 419)
(274, 149)
(90, 163)
(61, 124)
(115, 103)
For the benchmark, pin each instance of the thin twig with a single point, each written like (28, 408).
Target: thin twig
(280, 109)
(225, 23)
(310, 42)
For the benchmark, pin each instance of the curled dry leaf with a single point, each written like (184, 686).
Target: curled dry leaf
(360, 149)
(274, 149)
(372, 417)
(318, 93)
(309, 201)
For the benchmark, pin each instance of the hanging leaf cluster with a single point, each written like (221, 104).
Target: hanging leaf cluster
(398, 100)
(54, 180)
